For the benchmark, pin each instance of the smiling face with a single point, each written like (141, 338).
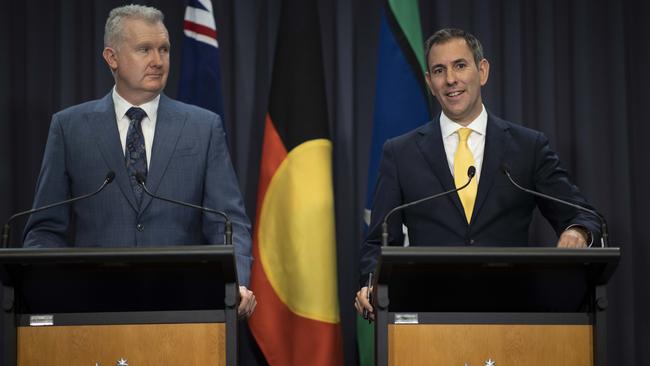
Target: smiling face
(140, 63)
(455, 79)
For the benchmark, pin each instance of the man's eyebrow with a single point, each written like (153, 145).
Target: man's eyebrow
(453, 62)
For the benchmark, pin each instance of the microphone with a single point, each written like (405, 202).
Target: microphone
(139, 177)
(471, 172)
(7, 227)
(604, 240)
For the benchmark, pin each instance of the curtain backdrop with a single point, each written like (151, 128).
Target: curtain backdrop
(576, 70)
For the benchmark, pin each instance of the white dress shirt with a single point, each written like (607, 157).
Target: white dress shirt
(148, 123)
(476, 140)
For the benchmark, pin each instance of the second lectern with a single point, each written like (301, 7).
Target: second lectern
(492, 306)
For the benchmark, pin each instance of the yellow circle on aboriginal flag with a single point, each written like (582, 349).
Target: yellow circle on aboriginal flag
(296, 235)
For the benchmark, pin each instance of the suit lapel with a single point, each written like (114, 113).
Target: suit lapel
(496, 142)
(104, 126)
(432, 148)
(169, 124)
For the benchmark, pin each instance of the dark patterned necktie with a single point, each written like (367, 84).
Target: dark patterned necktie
(136, 155)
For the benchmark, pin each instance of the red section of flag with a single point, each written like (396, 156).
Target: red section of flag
(200, 29)
(273, 153)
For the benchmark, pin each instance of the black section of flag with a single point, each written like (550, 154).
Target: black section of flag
(297, 104)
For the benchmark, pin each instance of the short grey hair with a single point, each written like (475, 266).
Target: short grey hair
(115, 22)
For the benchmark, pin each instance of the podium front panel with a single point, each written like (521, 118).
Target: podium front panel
(144, 344)
(476, 344)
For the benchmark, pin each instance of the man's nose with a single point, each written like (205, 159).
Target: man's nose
(156, 58)
(450, 77)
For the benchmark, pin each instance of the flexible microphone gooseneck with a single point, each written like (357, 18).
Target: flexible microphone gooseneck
(6, 230)
(139, 177)
(471, 172)
(604, 239)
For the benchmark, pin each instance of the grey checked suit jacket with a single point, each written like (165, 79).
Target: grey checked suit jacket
(189, 162)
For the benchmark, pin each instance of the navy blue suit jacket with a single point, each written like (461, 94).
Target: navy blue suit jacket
(189, 162)
(415, 165)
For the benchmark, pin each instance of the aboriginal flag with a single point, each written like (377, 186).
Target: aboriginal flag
(294, 275)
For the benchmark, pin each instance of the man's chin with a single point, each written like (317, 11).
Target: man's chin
(153, 83)
(154, 88)
(455, 114)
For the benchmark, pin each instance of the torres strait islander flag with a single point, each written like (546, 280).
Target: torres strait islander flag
(401, 104)
(200, 78)
(294, 275)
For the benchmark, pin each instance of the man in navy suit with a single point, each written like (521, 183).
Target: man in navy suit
(421, 163)
(181, 149)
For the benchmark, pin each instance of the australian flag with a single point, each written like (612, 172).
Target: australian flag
(200, 78)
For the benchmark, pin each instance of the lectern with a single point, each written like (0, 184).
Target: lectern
(110, 306)
(492, 306)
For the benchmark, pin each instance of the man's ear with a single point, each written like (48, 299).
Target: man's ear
(110, 56)
(484, 71)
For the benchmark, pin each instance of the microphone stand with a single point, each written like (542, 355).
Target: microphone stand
(6, 229)
(604, 240)
(228, 231)
(471, 172)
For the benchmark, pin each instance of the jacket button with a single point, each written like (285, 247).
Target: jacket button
(140, 227)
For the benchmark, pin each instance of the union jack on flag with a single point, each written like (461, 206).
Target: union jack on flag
(200, 78)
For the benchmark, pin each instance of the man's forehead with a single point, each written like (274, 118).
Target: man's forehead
(139, 29)
(450, 51)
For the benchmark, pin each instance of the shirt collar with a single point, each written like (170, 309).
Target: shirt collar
(121, 106)
(449, 127)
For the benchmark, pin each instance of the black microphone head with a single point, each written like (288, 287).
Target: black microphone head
(110, 176)
(139, 177)
(505, 168)
(471, 171)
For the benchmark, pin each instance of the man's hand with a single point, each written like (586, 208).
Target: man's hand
(361, 303)
(247, 303)
(572, 238)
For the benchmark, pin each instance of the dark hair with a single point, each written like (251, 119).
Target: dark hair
(447, 34)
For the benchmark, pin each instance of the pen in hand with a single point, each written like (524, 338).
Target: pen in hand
(366, 315)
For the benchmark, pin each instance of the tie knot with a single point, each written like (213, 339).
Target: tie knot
(136, 114)
(463, 133)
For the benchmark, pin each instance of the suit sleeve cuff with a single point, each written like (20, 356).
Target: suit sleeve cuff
(363, 280)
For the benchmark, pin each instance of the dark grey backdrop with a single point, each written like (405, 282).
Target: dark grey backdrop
(576, 70)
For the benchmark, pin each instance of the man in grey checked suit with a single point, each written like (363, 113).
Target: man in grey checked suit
(181, 149)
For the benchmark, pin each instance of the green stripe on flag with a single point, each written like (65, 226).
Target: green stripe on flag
(407, 14)
(366, 341)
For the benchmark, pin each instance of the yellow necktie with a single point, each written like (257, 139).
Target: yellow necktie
(462, 161)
